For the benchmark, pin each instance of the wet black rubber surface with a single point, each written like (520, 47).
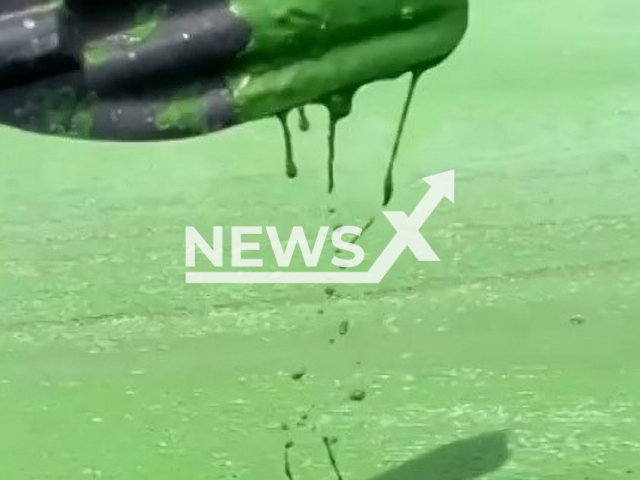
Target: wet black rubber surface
(127, 60)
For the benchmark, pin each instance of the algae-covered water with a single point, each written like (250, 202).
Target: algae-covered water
(520, 343)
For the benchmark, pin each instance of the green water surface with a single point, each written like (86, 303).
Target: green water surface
(112, 368)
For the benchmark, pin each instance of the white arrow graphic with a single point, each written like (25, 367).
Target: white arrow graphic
(407, 236)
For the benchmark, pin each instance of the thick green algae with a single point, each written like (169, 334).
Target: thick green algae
(145, 23)
(64, 111)
(323, 51)
(302, 51)
(185, 111)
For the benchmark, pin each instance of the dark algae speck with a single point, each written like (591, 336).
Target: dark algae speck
(298, 374)
(577, 320)
(330, 291)
(357, 395)
(344, 327)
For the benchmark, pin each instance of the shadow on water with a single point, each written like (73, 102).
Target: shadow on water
(462, 460)
(466, 459)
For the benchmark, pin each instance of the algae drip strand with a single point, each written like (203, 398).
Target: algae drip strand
(340, 106)
(287, 461)
(388, 181)
(332, 458)
(333, 123)
(291, 168)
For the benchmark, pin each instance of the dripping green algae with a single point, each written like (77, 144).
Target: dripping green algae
(313, 51)
(303, 50)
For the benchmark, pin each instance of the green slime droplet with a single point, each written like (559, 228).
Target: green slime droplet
(303, 121)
